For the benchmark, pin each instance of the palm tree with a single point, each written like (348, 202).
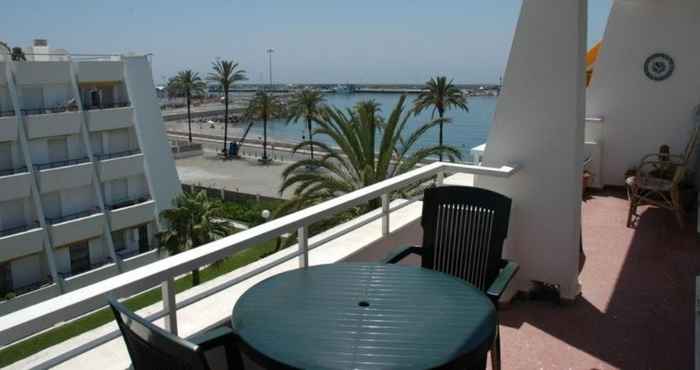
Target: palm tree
(441, 96)
(356, 159)
(306, 104)
(188, 83)
(191, 224)
(264, 107)
(226, 73)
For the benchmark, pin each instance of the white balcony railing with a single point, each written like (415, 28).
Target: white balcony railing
(26, 322)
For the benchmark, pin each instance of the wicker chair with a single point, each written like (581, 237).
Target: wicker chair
(658, 181)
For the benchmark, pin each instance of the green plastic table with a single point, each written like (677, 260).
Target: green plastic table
(364, 316)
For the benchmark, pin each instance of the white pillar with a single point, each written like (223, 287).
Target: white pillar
(539, 124)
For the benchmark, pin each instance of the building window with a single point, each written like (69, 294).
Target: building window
(79, 258)
(96, 143)
(118, 241)
(143, 239)
(5, 158)
(5, 279)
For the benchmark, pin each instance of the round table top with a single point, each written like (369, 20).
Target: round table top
(352, 316)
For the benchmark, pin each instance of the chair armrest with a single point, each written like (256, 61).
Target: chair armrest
(215, 338)
(401, 253)
(501, 283)
(222, 337)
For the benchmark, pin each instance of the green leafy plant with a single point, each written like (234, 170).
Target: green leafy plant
(356, 158)
(193, 221)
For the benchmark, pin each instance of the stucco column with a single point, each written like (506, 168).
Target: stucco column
(539, 125)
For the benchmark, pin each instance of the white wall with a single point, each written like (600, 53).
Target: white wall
(76, 149)
(641, 114)
(5, 102)
(56, 95)
(164, 183)
(62, 258)
(539, 124)
(98, 250)
(137, 186)
(78, 199)
(39, 150)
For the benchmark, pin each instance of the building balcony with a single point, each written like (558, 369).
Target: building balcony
(42, 73)
(12, 171)
(77, 226)
(100, 71)
(58, 164)
(53, 122)
(126, 202)
(112, 117)
(60, 175)
(636, 281)
(126, 153)
(119, 165)
(21, 241)
(130, 213)
(16, 185)
(8, 126)
(104, 106)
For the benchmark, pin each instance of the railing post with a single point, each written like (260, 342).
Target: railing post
(168, 290)
(385, 214)
(440, 178)
(303, 243)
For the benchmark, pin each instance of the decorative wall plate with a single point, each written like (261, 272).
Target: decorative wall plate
(659, 67)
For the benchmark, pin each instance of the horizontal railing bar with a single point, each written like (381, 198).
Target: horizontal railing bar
(404, 204)
(29, 320)
(344, 231)
(199, 296)
(76, 55)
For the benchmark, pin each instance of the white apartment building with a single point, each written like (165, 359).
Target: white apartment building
(85, 169)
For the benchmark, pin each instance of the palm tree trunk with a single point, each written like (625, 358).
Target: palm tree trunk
(264, 139)
(189, 119)
(195, 277)
(441, 113)
(311, 138)
(225, 116)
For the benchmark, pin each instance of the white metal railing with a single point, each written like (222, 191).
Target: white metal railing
(31, 320)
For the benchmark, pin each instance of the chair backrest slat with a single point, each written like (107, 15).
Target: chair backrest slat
(463, 232)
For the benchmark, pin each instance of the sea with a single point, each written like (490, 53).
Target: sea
(464, 131)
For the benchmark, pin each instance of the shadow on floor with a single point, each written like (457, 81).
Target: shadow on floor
(636, 310)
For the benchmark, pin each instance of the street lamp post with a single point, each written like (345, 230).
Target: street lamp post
(269, 64)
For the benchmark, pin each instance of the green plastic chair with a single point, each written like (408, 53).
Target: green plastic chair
(463, 233)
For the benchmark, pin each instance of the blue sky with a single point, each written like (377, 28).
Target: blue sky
(383, 41)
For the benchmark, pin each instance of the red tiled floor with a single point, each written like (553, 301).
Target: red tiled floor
(636, 309)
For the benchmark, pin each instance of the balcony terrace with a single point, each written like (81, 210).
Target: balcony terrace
(13, 171)
(638, 285)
